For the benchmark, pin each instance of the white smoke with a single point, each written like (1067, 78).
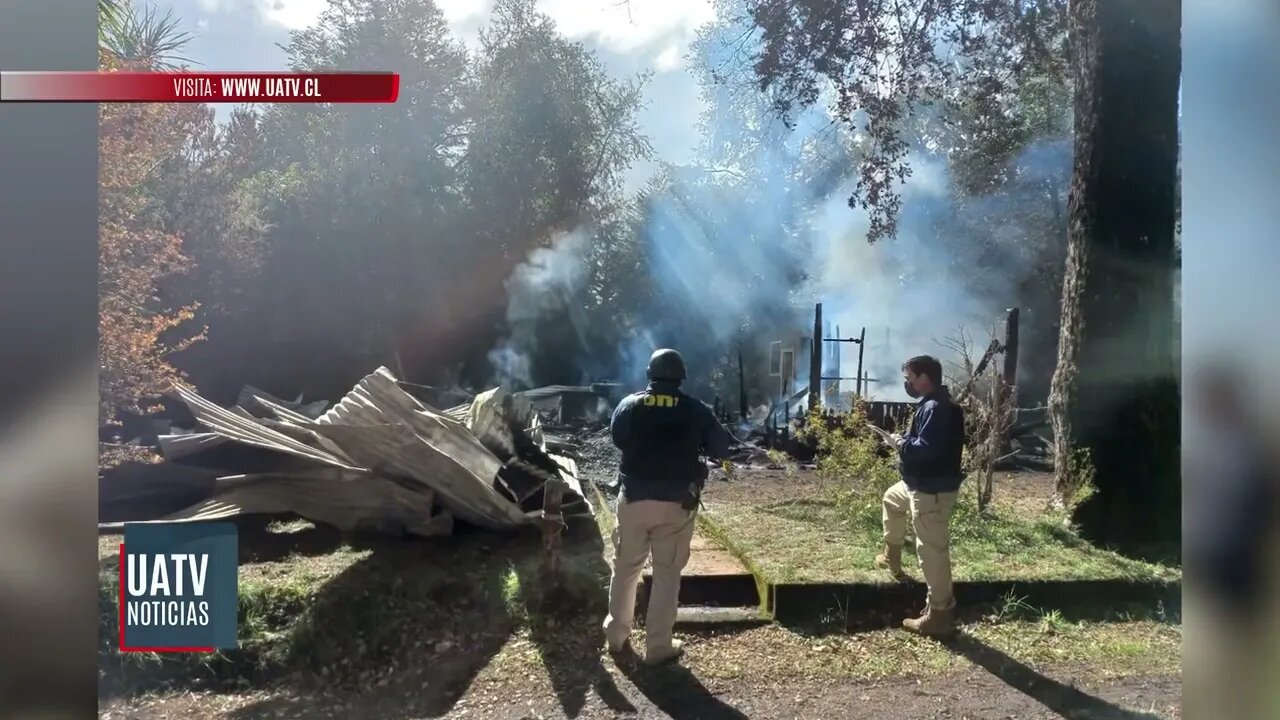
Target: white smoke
(911, 292)
(543, 285)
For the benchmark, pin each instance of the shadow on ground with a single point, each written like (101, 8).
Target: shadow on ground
(258, 542)
(565, 620)
(406, 629)
(855, 607)
(679, 693)
(1064, 700)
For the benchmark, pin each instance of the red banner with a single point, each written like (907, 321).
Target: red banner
(198, 87)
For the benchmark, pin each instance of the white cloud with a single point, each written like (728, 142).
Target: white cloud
(298, 14)
(456, 11)
(623, 26)
(669, 59)
(626, 25)
(293, 14)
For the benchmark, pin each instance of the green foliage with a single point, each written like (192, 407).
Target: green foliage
(423, 209)
(857, 469)
(142, 36)
(957, 62)
(853, 462)
(1080, 484)
(109, 16)
(214, 207)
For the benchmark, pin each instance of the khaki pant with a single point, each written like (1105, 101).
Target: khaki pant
(665, 530)
(931, 519)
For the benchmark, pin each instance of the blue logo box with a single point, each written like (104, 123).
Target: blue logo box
(178, 587)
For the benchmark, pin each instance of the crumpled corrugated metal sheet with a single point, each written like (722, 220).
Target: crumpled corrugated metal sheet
(248, 430)
(345, 499)
(251, 402)
(177, 446)
(381, 459)
(487, 421)
(433, 448)
(381, 428)
(251, 398)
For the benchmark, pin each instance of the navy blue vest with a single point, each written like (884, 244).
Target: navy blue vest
(660, 431)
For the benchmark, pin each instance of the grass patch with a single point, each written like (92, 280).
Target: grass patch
(830, 530)
(777, 654)
(815, 540)
(1133, 641)
(716, 534)
(358, 614)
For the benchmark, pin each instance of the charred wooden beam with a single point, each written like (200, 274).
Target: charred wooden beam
(1011, 349)
(815, 360)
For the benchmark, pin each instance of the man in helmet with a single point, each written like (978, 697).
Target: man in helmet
(663, 434)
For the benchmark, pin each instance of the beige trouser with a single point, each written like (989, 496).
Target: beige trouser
(648, 526)
(931, 519)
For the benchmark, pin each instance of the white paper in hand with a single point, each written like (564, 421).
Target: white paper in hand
(884, 435)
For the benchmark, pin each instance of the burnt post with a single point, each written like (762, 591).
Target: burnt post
(552, 526)
(815, 360)
(1011, 349)
(786, 419)
(1009, 375)
(861, 346)
(742, 388)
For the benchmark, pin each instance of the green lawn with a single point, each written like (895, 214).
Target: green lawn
(812, 538)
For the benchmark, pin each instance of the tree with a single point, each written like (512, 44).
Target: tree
(1115, 395)
(395, 227)
(551, 135)
(109, 12)
(142, 37)
(1112, 395)
(364, 202)
(879, 67)
(206, 202)
(140, 324)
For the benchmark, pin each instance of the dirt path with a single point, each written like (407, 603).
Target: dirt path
(676, 693)
(964, 695)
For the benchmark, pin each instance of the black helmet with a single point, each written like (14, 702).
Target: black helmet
(666, 364)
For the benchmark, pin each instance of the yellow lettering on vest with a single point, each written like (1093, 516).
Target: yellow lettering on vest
(649, 401)
(666, 401)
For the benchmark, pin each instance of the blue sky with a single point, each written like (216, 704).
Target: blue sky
(629, 38)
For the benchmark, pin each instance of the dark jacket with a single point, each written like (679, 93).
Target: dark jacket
(934, 444)
(662, 434)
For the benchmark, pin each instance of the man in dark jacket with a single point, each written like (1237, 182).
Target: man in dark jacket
(663, 434)
(930, 455)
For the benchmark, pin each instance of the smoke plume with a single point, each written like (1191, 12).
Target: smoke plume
(545, 286)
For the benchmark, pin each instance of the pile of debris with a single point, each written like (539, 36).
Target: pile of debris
(1030, 441)
(379, 460)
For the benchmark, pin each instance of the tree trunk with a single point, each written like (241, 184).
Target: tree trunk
(1114, 393)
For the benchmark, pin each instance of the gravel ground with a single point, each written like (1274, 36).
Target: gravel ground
(599, 458)
(679, 693)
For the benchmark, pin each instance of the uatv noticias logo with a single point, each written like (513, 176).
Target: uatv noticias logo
(178, 587)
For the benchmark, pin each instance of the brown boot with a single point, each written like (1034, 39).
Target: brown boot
(665, 655)
(933, 623)
(890, 558)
